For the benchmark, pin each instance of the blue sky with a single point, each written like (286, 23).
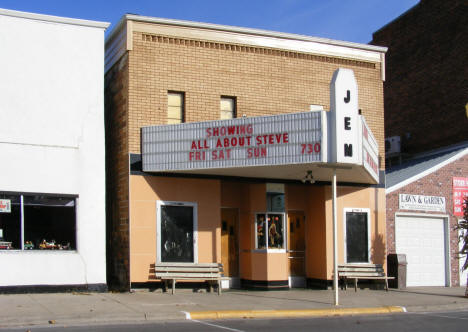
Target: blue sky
(349, 20)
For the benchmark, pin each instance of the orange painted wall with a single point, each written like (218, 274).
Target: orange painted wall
(356, 197)
(144, 193)
(316, 256)
(311, 200)
(250, 198)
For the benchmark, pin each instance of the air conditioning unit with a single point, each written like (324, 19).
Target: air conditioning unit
(392, 145)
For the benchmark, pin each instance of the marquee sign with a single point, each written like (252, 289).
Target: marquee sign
(256, 141)
(340, 136)
(370, 151)
(345, 117)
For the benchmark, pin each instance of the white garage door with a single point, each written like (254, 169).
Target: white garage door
(422, 239)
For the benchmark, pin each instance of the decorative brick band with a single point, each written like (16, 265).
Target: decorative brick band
(252, 49)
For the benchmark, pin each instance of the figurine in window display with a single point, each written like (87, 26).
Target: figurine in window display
(274, 236)
(260, 232)
(28, 245)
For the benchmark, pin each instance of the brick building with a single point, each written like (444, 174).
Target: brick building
(205, 161)
(427, 76)
(424, 204)
(426, 121)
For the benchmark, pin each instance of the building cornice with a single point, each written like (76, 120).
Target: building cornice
(54, 19)
(121, 37)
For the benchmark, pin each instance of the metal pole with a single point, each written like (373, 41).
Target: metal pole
(335, 239)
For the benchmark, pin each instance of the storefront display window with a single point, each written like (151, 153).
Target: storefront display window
(41, 222)
(10, 222)
(270, 231)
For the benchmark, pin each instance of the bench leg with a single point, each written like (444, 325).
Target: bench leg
(386, 284)
(355, 284)
(165, 286)
(219, 286)
(173, 286)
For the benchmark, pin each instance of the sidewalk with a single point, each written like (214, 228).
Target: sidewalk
(140, 306)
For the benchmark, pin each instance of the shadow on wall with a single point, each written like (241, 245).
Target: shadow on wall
(378, 249)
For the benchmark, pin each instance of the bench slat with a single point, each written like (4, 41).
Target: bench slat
(372, 266)
(190, 264)
(353, 269)
(186, 269)
(363, 275)
(188, 274)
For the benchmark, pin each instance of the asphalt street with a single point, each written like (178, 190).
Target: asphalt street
(423, 321)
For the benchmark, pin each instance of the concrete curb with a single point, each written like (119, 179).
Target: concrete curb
(233, 314)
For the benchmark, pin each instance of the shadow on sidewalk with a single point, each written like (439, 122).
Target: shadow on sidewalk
(256, 295)
(420, 292)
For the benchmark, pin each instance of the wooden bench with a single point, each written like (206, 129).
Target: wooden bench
(362, 271)
(210, 272)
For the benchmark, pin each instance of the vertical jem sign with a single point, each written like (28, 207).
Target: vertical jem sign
(345, 121)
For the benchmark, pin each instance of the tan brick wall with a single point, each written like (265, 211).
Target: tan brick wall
(264, 81)
(117, 175)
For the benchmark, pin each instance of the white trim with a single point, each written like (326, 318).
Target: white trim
(158, 226)
(22, 223)
(54, 19)
(426, 172)
(446, 221)
(369, 251)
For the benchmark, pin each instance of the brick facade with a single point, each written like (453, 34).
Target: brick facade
(426, 75)
(438, 183)
(117, 177)
(265, 81)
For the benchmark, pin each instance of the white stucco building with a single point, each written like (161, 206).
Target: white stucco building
(52, 176)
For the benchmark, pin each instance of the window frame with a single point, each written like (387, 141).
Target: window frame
(285, 235)
(234, 105)
(22, 223)
(194, 205)
(182, 106)
(369, 233)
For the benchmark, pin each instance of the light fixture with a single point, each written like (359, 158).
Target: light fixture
(308, 178)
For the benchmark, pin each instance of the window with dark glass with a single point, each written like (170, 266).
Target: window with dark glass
(49, 222)
(177, 233)
(275, 197)
(37, 222)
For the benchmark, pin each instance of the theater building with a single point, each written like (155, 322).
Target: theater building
(52, 187)
(221, 147)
